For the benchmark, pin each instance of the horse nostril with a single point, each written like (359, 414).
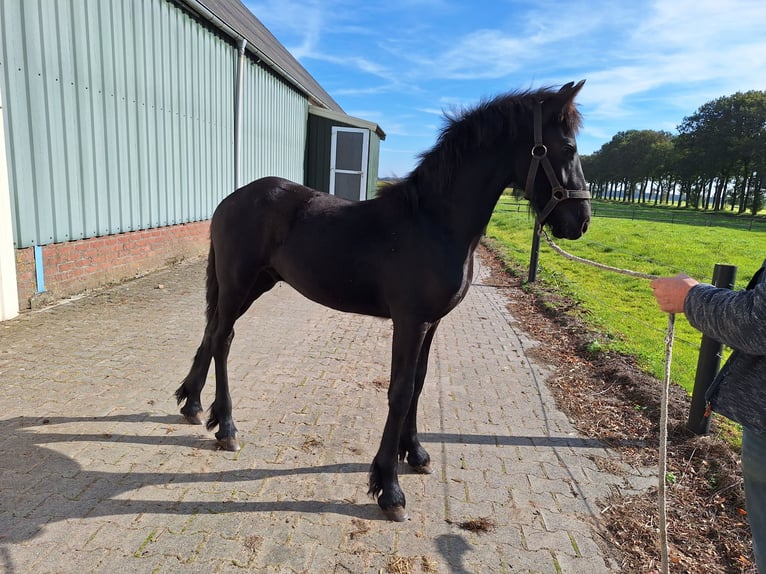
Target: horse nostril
(585, 226)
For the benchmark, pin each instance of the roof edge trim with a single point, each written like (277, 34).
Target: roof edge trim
(347, 119)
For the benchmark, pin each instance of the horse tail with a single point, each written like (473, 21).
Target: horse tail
(211, 291)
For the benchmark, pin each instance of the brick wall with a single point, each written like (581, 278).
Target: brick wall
(75, 266)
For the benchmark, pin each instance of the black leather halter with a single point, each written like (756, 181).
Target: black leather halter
(540, 157)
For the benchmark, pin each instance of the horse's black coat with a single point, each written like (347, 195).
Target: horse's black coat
(405, 255)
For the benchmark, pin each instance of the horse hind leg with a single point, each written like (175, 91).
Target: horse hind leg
(190, 390)
(231, 307)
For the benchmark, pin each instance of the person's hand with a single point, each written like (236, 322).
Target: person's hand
(670, 292)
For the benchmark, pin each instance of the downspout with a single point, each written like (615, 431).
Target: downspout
(238, 107)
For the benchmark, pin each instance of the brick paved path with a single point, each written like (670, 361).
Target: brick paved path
(99, 474)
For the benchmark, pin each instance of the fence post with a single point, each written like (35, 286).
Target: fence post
(534, 256)
(709, 360)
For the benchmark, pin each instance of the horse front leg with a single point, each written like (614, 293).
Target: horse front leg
(409, 444)
(384, 481)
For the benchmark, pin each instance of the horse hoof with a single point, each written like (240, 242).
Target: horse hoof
(195, 419)
(396, 514)
(423, 469)
(229, 443)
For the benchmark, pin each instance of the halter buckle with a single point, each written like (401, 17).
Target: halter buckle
(539, 151)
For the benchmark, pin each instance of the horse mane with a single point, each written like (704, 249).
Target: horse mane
(465, 130)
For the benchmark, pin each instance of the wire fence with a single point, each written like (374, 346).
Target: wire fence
(663, 215)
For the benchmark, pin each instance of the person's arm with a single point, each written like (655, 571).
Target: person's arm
(734, 318)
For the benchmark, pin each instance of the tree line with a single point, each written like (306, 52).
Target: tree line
(717, 160)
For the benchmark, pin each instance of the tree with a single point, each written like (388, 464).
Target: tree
(717, 160)
(634, 159)
(727, 139)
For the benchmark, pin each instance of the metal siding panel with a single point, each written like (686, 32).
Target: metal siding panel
(125, 69)
(202, 140)
(146, 149)
(110, 134)
(58, 227)
(41, 176)
(181, 125)
(186, 90)
(173, 143)
(208, 104)
(92, 102)
(118, 117)
(225, 146)
(274, 127)
(155, 123)
(220, 170)
(194, 116)
(71, 147)
(133, 46)
(98, 214)
(77, 105)
(166, 108)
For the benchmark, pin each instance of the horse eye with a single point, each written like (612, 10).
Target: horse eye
(568, 149)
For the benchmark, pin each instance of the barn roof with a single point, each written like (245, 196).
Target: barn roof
(234, 19)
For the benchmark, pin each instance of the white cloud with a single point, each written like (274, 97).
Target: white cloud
(432, 111)
(481, 54)
(647, 63)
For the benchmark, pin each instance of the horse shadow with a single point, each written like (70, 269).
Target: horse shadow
(27, 464)
(41, 485)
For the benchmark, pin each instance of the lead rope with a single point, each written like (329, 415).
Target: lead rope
(663, 447)
(664, 444)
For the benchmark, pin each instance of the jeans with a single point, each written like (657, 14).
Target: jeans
(754, 471)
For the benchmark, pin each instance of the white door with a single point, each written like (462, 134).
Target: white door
(348, 162)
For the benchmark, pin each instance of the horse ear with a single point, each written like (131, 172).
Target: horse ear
(568, 92)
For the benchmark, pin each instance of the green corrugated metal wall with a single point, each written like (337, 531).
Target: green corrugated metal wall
(274, 127)
(120, 116)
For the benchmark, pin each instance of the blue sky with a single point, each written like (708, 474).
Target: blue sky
(402, 63)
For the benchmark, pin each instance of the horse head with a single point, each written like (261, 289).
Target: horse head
(555, 185)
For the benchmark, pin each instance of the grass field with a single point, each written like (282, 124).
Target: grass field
(621, 309)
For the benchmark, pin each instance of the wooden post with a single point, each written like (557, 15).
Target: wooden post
(709, 360)
(535, 255)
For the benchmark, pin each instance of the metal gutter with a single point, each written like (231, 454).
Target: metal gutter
(240, 89)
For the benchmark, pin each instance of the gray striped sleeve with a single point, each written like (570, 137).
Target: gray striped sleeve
(734, 318)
